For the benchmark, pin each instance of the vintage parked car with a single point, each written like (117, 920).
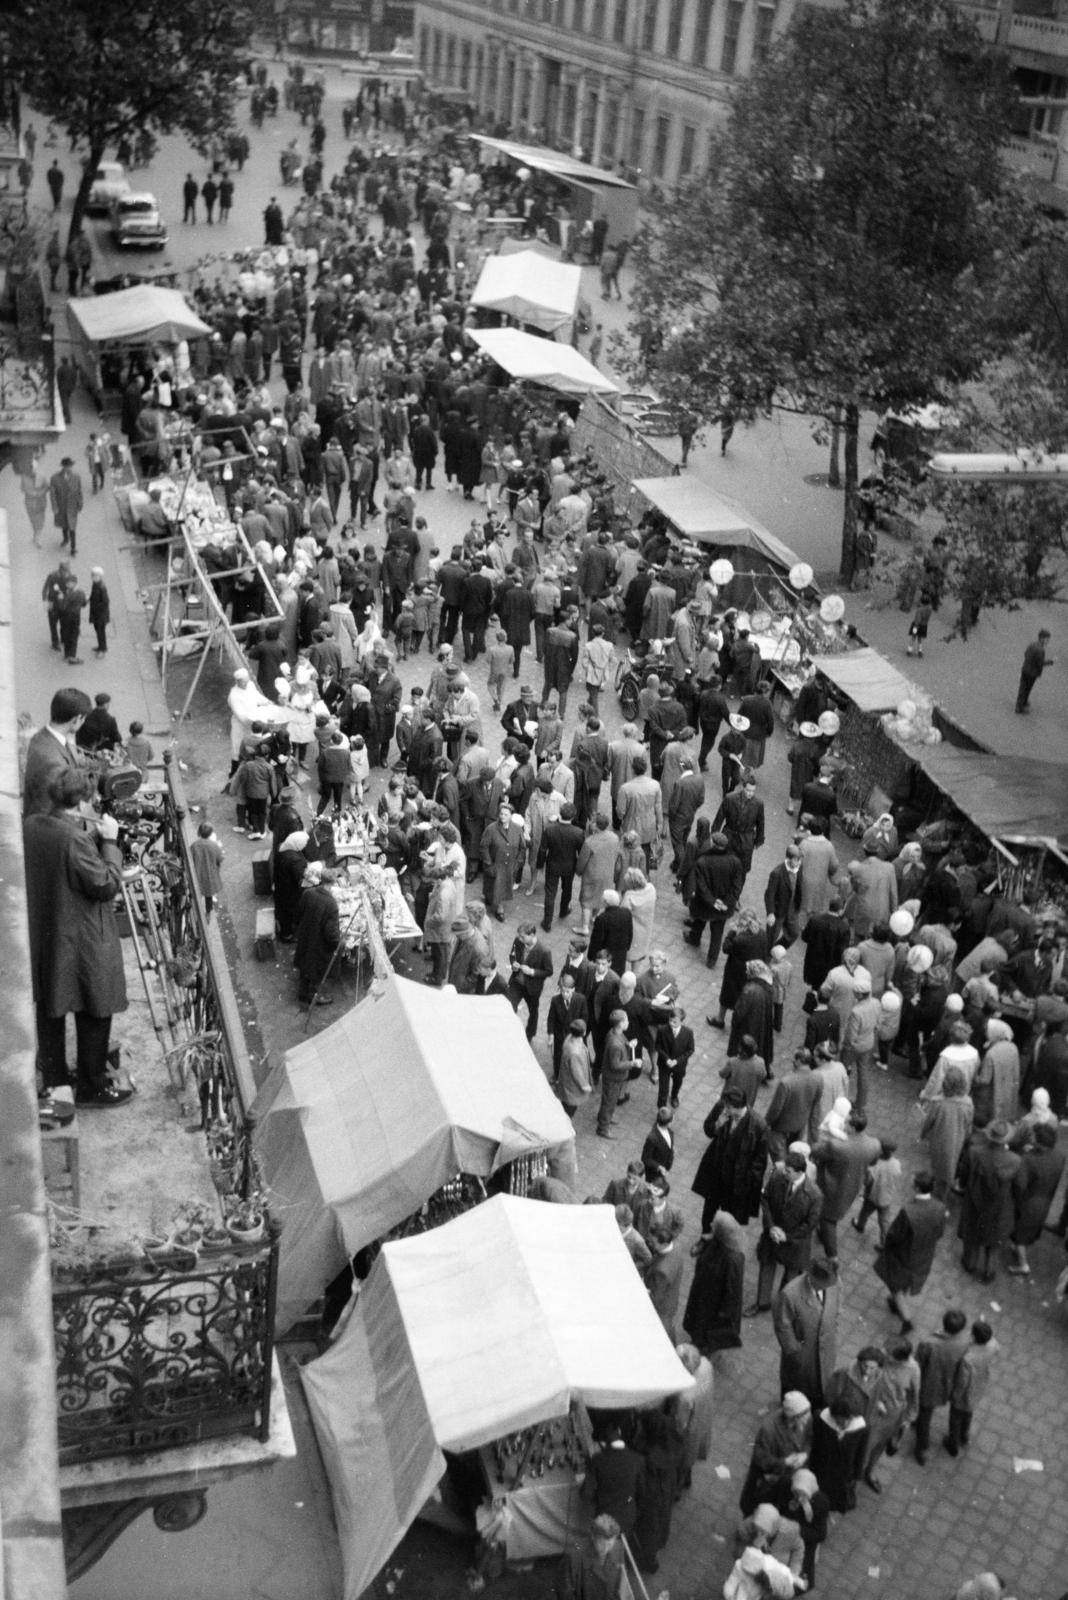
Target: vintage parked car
(136, 222)
(109, 183)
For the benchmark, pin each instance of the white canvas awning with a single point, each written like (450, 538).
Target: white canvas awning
(527, 357)
(530, 288)
(360, 1125)
(709, 518)
(870, 681)
(492, 1323)
(143, 313)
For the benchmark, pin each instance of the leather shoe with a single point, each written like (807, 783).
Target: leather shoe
(755, 1311)
(714, 1022)
(920, 1457)
(873, 1483)
(103, 1099)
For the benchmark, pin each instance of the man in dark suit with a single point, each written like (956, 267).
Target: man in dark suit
(318, 936)
(782, 899)
(561, 842)
(615, 1479)
(818, 799)
(674, 1045)
(531, 965)
(489, 980)
(601, 998)
(741, 816)
(905, 1260)
(578, 965)
(518, 713)
(566, 1006)
(52, 748)
(658, 1151)
(613, 929)
(65, 490)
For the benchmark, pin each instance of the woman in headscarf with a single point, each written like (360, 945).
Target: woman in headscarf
(748, 940)
(1033, 1189)
(995, 1087)
(946, 1128)
(290, 867)
(713, 1315)
(803, 1501)
(694, 1411)
(1039, 1112)
(909, 872)
(754, 1012)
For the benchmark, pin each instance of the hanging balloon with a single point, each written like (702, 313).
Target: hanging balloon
(801, 575)
(760, 621)
(721, 572)
(832, 608)
(523, 174)
(907, 710)
(829, 723)
(742, 622)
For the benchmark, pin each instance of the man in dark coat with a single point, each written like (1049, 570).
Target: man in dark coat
(73, 868)
(782, 899)
(561, 659)
(938, 1361)
(790, 1210)
(318, 936)
(515, 605)
(566, 1006)
(907, 1255)
(790, 1107)
(825, 936)
(718, 880)
(558, 853)
(99, 610)
(614, 1480)
(730, 1175)
(741, 816)
(386, 698)
(713, 710)
(53, 749)
(613, 930)
(65, 492)
(753, 1013)
(531, 966)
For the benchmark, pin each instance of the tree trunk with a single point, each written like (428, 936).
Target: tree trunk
(834, 470)
(81, 196)
(851, 428)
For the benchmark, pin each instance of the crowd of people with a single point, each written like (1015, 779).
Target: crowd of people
(909, 958)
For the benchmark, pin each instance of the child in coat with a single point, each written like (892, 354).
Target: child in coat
(882, 1190)
(782, 973)
(207, 854)
(500, 663)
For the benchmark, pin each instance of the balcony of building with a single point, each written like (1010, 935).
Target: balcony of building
(163, 1259)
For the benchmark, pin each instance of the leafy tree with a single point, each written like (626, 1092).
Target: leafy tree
(835, 256)
(106, 70)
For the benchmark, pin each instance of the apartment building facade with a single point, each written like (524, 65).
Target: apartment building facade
(631, 84)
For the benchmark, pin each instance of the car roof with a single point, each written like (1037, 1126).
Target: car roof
(139, 197)
(113, 169)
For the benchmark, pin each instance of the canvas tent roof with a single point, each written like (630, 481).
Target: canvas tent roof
(360, 1125)
(1018, 801)
(536, 360)
(553, 162)
(527, 286)
(144, 312)
(491, 1323)
(867, 678)
(699, 513)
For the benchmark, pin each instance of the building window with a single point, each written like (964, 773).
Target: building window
(765, 22)
(649, 25)
(493, 67)
(597, 21)
(435, 71)
(611, 132)
(702, 29)
(660, 148)
(637, 136)
(424, 47)
(619, 25)
(450, 62)
(686, 149)
(732, 28)
(673, 46)
(1038, 121)
(465, 65)
(578, 16)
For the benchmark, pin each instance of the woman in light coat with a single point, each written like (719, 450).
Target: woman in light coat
(639, 898)
(946, 1128)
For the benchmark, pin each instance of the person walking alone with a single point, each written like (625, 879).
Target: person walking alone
(1035, 662)
(99, 610)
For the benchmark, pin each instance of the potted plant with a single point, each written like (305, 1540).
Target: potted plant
(191, 1221)
(246, 1221)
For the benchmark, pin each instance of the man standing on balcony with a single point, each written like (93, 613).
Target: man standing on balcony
(73, 874)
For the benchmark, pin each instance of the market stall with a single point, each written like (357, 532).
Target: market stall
(497, 1322)
(525, 285)
(528, 359)
(105, 329)
(591, 192)
(360, 1125)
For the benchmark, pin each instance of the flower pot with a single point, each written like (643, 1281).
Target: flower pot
(216, 1242)
(250, 1234)
(156, 1248)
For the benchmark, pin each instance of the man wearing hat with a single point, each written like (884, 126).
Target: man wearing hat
(468, 953)
(519, 718)
(804, 757)
(731, 747)
(65, 493)
(987, 1211)
(386, 698)
(781, 1447)
(596, 1569)
(805, 1318)
(730, 1175)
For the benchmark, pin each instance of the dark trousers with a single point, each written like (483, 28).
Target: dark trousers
(101, 637)
(960, 1427)
(93, 1035)
(612, 1086)
(330, 791)
(378, 739)
(1023, 694)
(708, 739)
(766, 1280)
(517, 651)
(566, 882)
(257, 815)
(69, 629)
(827, 1233)
(450, 621)
(473, 633)
(542, 624)
(53, 627)
(669, 1082)
(715, 936)
(923, 1428)
(515, 995)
